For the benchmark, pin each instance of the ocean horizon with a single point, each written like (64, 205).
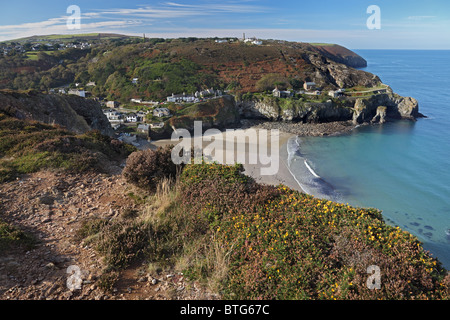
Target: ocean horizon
(401, 167)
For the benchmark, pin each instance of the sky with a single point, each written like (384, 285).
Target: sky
(402, 24)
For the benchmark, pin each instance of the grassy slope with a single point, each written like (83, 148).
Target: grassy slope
(29, 146)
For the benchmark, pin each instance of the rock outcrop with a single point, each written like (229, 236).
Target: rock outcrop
(385, 106)
(378, 108)
(75, 113)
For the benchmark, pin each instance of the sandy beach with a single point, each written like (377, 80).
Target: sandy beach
(252, 169)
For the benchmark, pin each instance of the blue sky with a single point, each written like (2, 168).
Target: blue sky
(404, 24)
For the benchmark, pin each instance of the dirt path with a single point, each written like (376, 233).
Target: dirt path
(51, 206)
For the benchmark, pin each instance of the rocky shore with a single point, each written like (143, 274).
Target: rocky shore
(303, 129)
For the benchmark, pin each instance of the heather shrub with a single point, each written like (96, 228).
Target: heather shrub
(146, 168)
(282, 244)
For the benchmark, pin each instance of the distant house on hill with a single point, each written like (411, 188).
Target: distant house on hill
(157, 125)
(180, 98)
(112, 104)
(161, 112)
(253, 41)
(309, 85)
(143, 128)
(80, 93)
(281, 94)
(132, 117)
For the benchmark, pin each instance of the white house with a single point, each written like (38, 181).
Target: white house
(135, 80)
(157, 125)
(112, 104)
(221, 41)
(80, 93)
(132, 117)
(309, 85)
(281, 94)
(113, 115)
(180, 98)
(333, 94)
(253, 41)
(161, 112)
(143, 128)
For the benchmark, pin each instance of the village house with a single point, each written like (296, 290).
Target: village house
(208, 93)
(253, 41)
(80, 93)
(112, 104)
(113, 115)
(143, 128)
(180, 98)
(309, 85)
(161, 112)
(282, 94)
(157, 125)
(132, 117)
(336, 93)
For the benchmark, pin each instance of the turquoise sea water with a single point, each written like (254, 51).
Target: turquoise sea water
(401, 168)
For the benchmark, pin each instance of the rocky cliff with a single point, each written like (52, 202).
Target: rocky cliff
(76, 114)
(374, 109)
(341, 54)
(380, 107)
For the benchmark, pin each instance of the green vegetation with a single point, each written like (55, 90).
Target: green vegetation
(12, 237)
(252, 241)
(29, 146)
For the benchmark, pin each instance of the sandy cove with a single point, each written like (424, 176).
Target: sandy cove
(282, 175)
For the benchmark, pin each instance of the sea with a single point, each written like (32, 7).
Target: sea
(401, 168)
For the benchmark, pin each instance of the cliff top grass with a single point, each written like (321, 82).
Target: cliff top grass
(29, 146)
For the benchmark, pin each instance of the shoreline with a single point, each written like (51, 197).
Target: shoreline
(287, 130)
(283, 175)
(334, 128)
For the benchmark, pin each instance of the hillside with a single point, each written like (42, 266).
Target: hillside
(166, 66)
(74, 113)
(28, 146)
(214, 233)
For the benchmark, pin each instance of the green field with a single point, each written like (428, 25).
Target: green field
(33, 55)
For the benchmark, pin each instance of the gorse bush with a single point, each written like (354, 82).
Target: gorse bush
(146, 168)
(284, 244)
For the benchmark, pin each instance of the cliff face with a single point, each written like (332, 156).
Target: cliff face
(216, 113)
(341, 54)
(378, 108)
(76, 114)
(385, 106)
